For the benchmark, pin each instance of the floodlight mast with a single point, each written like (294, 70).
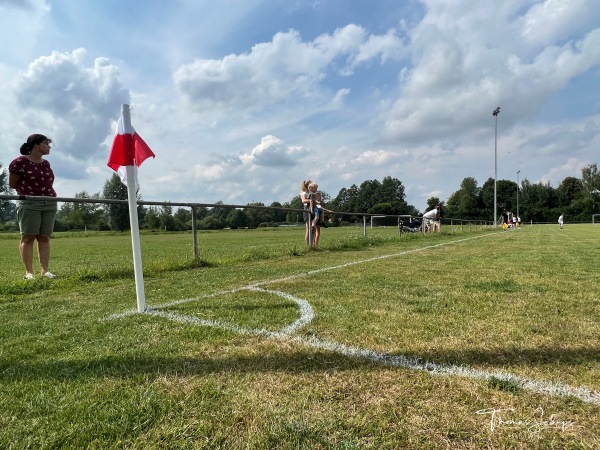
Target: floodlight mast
(495, 114)
(518, 172)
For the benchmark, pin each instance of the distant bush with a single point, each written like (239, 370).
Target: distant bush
(9, 226)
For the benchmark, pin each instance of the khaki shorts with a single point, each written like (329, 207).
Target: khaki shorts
(36, 217)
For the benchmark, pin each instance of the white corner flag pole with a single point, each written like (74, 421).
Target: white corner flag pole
(133, 221)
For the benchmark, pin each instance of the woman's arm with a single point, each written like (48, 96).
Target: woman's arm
(13, 180)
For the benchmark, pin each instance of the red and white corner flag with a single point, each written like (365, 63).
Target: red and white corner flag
(128, 152)
(128, 147)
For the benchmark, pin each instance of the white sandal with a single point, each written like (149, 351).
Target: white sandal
(50, 275)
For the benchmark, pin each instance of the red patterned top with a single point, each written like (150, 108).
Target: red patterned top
(35, 178)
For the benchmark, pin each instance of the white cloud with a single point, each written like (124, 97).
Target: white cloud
(556, 20)
(375, 157)
(338, 100)
(451, 90)
(269, 73)
(553, 141)
(386, 47)
(558, 174)
(78, 103)
(271, 152)
(278, 71)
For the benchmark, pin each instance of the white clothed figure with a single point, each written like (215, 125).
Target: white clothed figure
(430, 214)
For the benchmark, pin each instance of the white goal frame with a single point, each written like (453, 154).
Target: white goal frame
(377, 217)
(594, 218)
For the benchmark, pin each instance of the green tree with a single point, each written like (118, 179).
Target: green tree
(506, 197)
(118, 214)
(256, 216)
(212, 223)
(167, 221)
(369, 195)
(219, 213)
(347, 200)
(183, 218)
(293, 216)
(570, 199)
(466, 202)
(591, 188)
(236, 219)
(278, 215)
(202, 212)
(152, 221)
(382, 208)
(569, 191)
(411, 210)
(372, 197)
(486, 200)
(538, 202)
(432, 202)
(81, 215)
(6, 206)
(391, 191)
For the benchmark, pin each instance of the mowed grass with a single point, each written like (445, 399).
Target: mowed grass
(523, 302)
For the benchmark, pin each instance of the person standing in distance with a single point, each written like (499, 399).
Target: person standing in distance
(437, 220)
(561, 221)
(504, 220)
(432, 218)
(308, 205)
(31, 174)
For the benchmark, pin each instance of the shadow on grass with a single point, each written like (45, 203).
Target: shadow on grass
(85, 275)
(179, 366)
(302, 361)
(513, 356)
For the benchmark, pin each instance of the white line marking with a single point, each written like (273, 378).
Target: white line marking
(539, 387)
(307, 314)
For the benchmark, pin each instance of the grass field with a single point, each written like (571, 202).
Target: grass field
(465, 340)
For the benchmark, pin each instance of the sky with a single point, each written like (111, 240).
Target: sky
(241, 100)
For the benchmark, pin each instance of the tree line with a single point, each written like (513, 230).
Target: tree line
(577, 198)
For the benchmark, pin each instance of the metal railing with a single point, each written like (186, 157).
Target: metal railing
(402, 219)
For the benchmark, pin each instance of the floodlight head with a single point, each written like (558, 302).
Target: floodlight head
(496, 111)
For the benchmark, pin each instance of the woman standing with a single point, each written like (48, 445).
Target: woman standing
(307, 204)
(30, 174)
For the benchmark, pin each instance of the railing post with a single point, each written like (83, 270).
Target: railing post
(194, 233)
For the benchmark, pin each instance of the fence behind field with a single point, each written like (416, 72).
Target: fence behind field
(399, 220)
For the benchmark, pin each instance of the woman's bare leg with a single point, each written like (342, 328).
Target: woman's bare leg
(26, 251)
(43, 251)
